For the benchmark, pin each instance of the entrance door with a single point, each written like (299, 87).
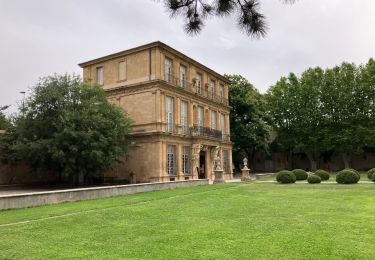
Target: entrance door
(202, 165)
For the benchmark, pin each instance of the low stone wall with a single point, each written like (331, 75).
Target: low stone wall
(54, 197)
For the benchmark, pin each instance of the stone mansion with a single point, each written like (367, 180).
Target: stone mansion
(180, 111)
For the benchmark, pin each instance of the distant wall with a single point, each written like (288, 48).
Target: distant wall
(54, 197)
(280, 161)
(21, 174)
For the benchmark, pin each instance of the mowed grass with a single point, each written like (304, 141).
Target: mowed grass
(227, 221)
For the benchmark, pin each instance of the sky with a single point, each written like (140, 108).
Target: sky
(42, 37)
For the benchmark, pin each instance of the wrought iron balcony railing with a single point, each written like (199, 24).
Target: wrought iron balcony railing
(195, 131)
(196, 88)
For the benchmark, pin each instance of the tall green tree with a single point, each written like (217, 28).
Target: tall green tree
(347, 102)
(247, 12)
(4, 121)
(67, 127)
(330, 112)
(248, 119)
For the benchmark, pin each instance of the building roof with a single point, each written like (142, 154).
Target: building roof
(148, 46)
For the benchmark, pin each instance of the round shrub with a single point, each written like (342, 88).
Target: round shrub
(286, 177)
(347, 176)
(373, 177)
(324, 175)
(353, 170)
(300, 174)
(370, 173)
(314, 179)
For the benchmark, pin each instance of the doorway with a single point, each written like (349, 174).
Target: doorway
(202, 165)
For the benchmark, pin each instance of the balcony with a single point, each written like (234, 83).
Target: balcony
(196, 88)
(196, 132)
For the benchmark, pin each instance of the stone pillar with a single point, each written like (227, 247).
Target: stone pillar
(219, 178)
(245, 171)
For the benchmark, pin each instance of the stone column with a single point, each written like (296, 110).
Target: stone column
(195, 149)
(245, 171)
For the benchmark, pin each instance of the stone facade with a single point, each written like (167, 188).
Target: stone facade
(180, 111)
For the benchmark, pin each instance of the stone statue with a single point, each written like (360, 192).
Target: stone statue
(245, 171)
(195, 149)
(245, 164)
(217, 159)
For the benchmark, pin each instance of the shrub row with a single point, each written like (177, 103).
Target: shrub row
(324, 175)
(346, 176)
(286, 177)
(300, 174)
(314, 179)
(370, 174)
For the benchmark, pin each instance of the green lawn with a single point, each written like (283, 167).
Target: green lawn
(228, 221)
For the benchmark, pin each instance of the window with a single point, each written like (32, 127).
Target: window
(100, 76)
(185, 159)
(213, 119)
(183, 76)
(221, 93)
(212, 88)
(169, 113)
(198, 83)
(200, 119)
(184, 117)
(225, 161)
(222, 124)
(168, 70)
(171, 159)
(122, 70)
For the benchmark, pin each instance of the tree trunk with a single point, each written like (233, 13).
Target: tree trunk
(313, 163)
(252, 161)
(346, 159)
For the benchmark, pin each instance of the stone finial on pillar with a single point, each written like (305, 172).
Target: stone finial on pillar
(245, 171)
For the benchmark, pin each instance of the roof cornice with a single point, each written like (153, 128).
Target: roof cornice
(149, 46)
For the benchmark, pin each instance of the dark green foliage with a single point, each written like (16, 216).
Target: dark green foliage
(300, 174)
(324, 175)
(286, 177)
(370, 173)
(325, 111)
(248, 120)
(353, 170)
(347, 176)
(373, 177)
(67, 127)
(314, 179)
(4, 121)
(195, 12)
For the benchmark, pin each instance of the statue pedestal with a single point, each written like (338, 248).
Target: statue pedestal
(245, 174)
(219, 176)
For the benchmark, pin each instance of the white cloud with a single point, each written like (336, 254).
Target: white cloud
(40, 37)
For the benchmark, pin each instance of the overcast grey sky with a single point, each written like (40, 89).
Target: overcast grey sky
(41, 37)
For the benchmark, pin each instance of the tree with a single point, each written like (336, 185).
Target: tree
(325, 112)
(347, 104)
(248, 119)
(4, 121)
(67, 127)
(195, 12)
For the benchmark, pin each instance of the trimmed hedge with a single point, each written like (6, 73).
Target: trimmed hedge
(373, 177)
(324, 175)
(286, 177)
(300, 174)
(347, 176)
(314, 179)
(370, 173)
(353, 170)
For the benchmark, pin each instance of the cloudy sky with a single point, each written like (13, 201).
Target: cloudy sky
(42, 37)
